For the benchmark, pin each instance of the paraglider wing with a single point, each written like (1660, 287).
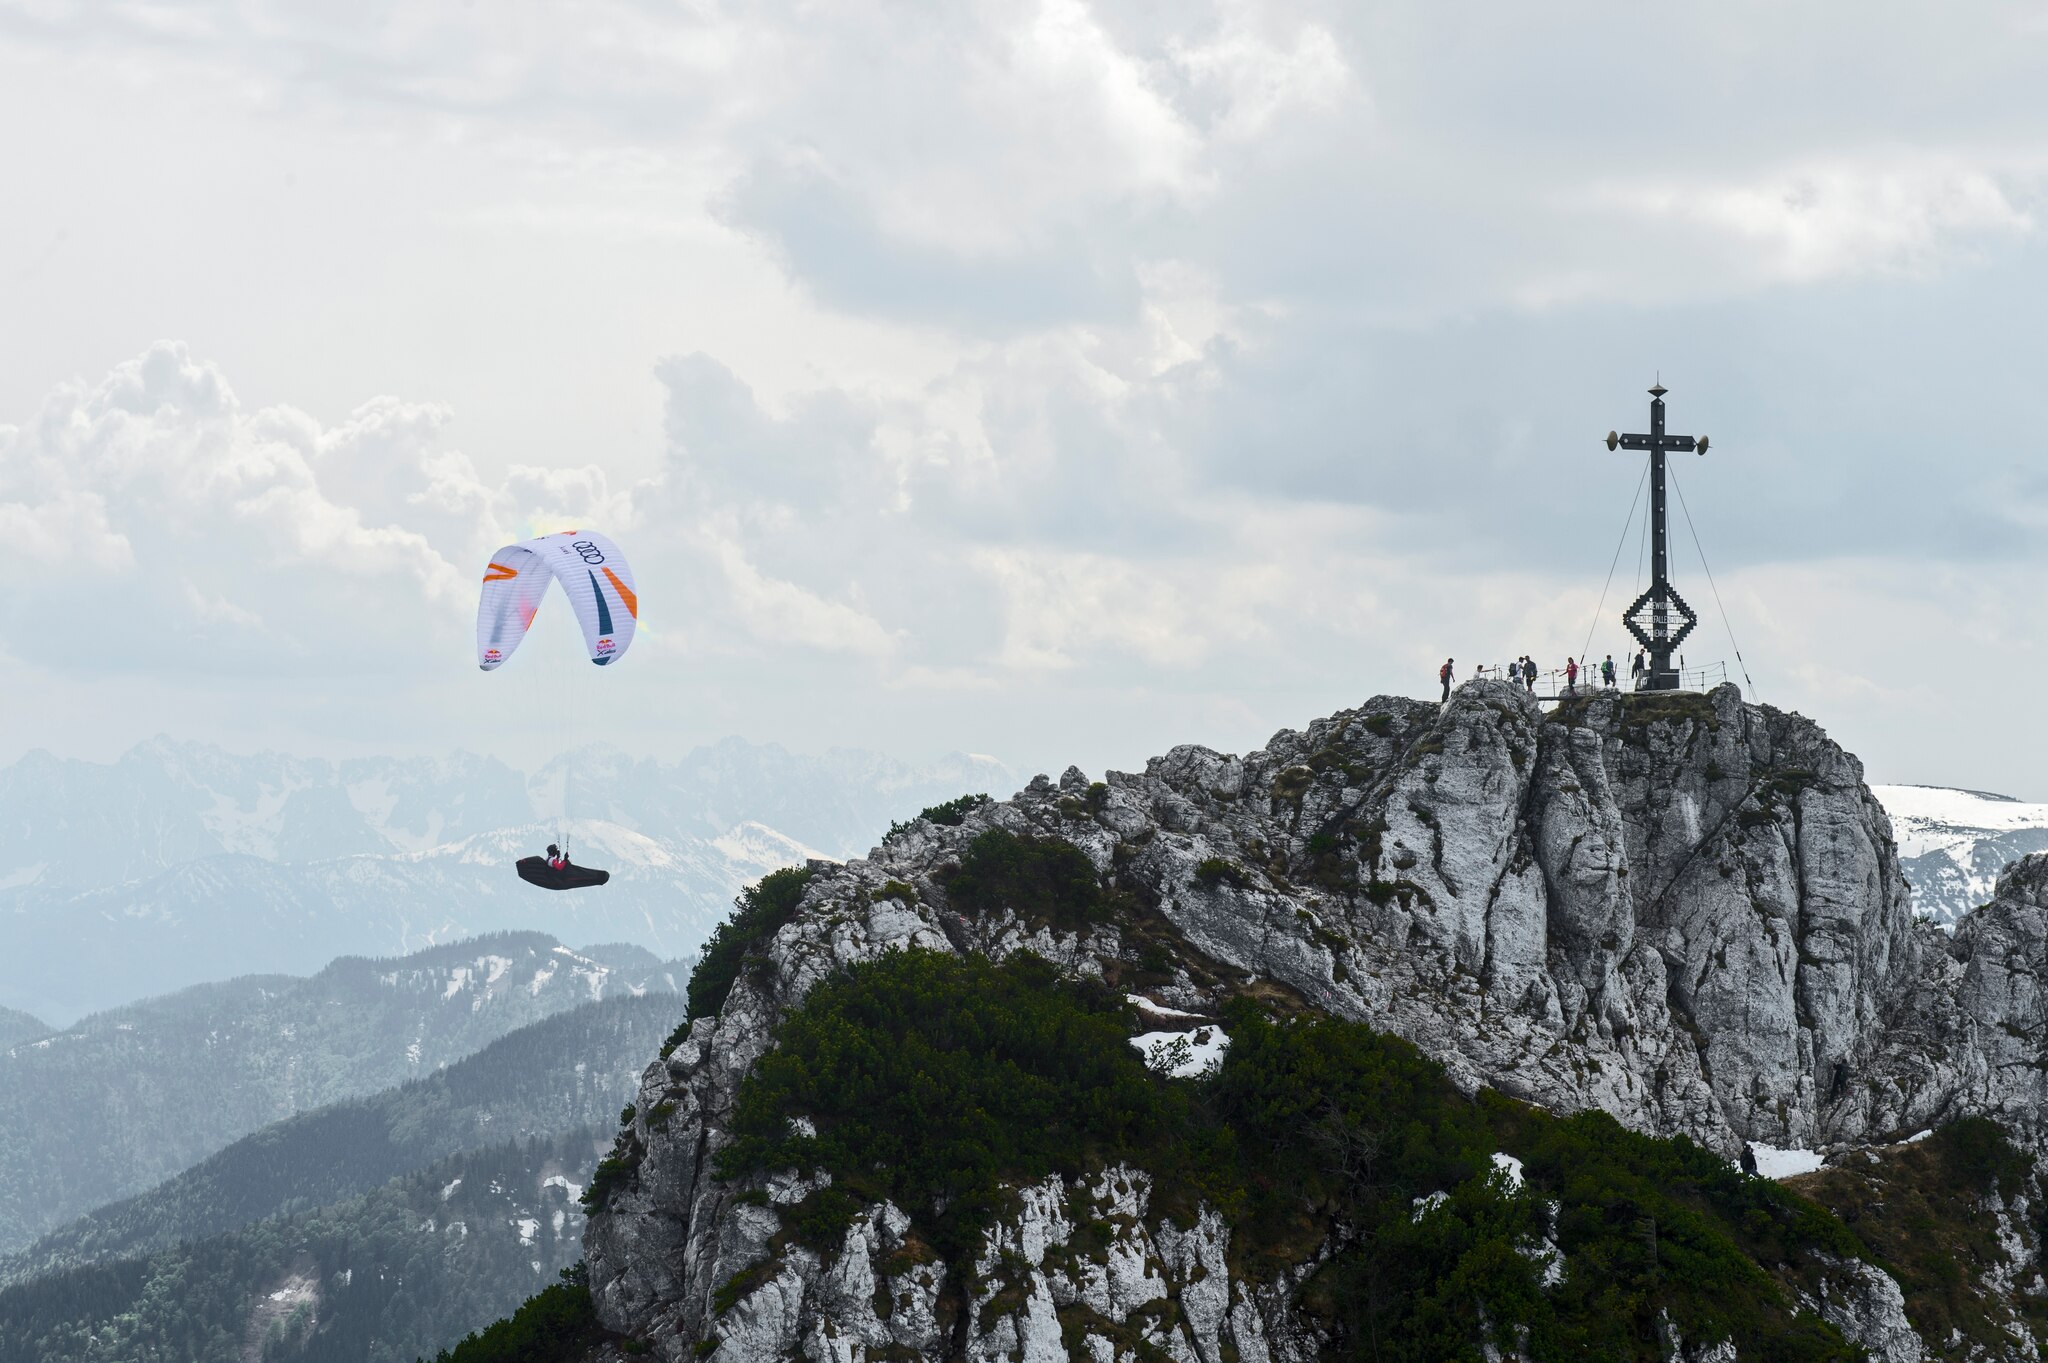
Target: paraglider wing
(514, 583)
(593, 573)
(600, 586)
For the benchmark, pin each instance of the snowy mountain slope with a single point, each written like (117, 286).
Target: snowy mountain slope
(1953, 843)
(231, 914)
(181, 863)
(127, 1098)
(840, 803)
(75, 825)
(82, 825)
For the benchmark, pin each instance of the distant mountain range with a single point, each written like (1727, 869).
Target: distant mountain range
(389, 1276)
(126, 1098)
(181, 863)
(1953, 843)
(573, 1070)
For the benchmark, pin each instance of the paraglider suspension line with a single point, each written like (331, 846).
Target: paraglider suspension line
(1619, 545)
(558, 674)
(1725, 622)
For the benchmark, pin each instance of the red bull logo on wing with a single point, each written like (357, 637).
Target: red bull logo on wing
(491, 655)
(605, 645)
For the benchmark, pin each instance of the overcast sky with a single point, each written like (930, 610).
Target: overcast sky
(1051, 380)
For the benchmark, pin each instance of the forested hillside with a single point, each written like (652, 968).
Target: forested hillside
(570, 1071)
(128, 1098)
(384, 1278)
(17, 1027)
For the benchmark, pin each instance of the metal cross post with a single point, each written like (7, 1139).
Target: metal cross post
(1649, 618)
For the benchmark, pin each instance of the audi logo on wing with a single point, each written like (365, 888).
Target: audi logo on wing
(589, 552)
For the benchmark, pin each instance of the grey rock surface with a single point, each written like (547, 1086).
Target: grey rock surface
(1867, 1307)
(1684, 910)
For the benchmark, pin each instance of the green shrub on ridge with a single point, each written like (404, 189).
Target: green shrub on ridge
(935, 1080)
(761, 911)
(950, 813)
(1039, 878)
(555, 1325)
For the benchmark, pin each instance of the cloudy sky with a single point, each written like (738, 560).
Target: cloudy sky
(1042, 378)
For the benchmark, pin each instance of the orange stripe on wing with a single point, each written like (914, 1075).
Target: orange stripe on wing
(625, 593)
(498, 572)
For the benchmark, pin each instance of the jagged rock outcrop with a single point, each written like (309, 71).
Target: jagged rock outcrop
(1684, 910)
(1867, 1307)
(1972, 1035)
(883, 1293)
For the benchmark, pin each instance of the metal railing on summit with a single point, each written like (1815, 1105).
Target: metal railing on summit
(1554, 683)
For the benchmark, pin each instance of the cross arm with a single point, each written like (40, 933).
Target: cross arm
(1658, 442)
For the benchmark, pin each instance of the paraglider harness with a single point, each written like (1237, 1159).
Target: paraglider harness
(556, 872)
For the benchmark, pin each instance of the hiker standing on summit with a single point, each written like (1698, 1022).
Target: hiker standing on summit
(1443, 674)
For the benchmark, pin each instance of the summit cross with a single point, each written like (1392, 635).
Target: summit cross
(1651, 616)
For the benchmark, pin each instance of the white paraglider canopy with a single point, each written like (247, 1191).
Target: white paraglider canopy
(594, 575)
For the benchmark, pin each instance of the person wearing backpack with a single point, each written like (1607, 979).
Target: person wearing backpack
(1444, 675)
(1607, 672)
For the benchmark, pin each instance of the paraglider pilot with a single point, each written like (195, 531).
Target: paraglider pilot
(593, 574)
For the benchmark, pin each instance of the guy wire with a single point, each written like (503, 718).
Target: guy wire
(1726, 623)
(1618, 547)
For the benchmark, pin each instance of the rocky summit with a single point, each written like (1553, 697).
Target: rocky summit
(1679, 909)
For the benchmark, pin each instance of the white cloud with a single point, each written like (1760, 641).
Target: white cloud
(248, 554)
(1902, 213)
(1055, 604)
(1260, 77)
(1048, 117)
(218, 610)
(67, 527)
(1064, 363)
(197, 514)
(779, 612)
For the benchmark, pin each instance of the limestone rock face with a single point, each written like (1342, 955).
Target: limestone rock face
(1867, 1307)
(1685, 910)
